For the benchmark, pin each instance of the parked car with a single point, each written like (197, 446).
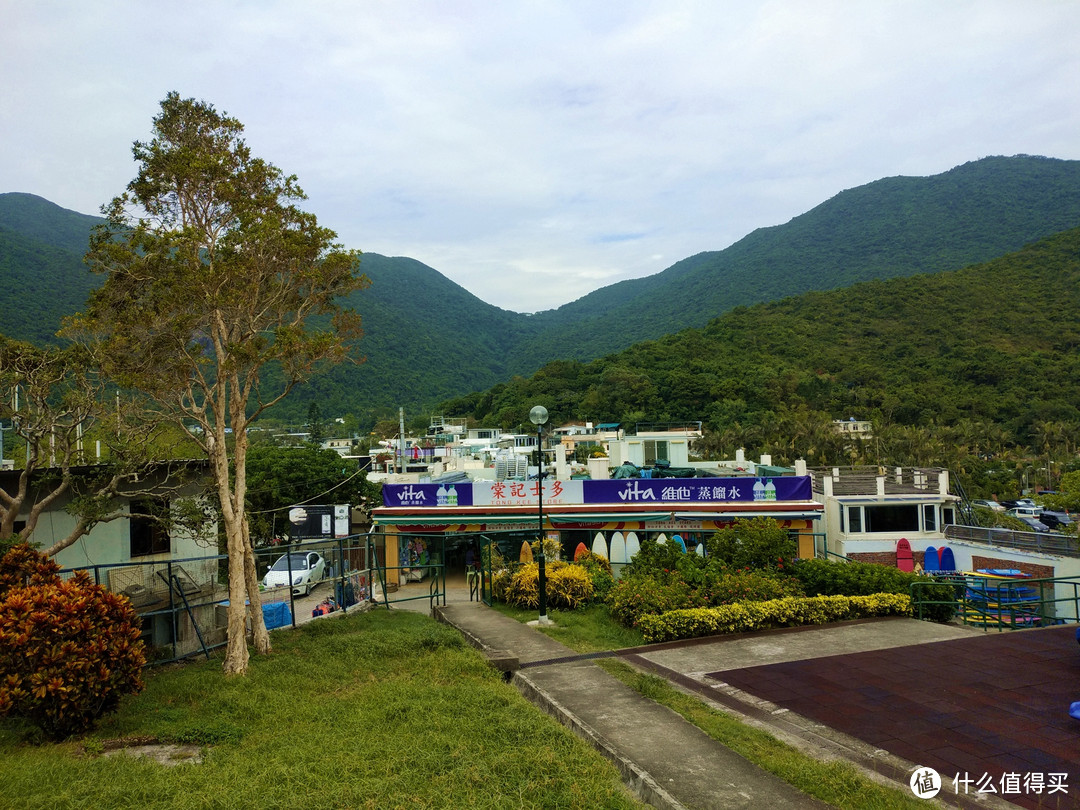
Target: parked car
(1025, 511)
(307, 569)
(997, 507)
(1035, 524)
(1055, 520)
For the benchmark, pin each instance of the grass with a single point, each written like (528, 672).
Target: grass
(381, 709)
(588, 629)
(836, 783)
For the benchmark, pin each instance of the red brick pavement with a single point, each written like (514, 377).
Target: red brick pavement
(985, 707)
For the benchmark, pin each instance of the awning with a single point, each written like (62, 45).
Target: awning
(808, 515)
(606, 517)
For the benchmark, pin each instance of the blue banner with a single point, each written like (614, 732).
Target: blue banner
(618, 491)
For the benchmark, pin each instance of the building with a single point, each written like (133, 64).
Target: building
(597, 512)
(868, 509)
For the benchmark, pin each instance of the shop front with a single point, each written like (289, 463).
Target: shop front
(608, 516)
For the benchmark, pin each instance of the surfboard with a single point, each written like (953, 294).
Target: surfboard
(930, 560)
(580, 550)
(599, 545)
(677, 540)
(700, 550)
(661, 539)
(632, 546)
(904, 559)
(946, 559)
(618, 549)
(526, 555)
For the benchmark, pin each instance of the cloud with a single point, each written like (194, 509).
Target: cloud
(534, 151)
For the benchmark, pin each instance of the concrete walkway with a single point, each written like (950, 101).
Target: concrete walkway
(665, 760)
(887, 695)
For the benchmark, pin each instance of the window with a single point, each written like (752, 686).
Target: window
(882, 518)
(655, 449)
(148, 528)
(854, 519)
(929, 517)
(947, 515)
(892, 518)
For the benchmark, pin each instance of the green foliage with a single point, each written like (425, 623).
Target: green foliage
(758, 543)
(278, 477)
(69, 650)
(820, 577)
(789, 612)
(599, 572)
(640, 595)
(568, 585)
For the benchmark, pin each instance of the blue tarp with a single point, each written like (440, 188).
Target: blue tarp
(276, 614)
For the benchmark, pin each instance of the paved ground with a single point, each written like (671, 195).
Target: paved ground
(982, 707)
(887, 695)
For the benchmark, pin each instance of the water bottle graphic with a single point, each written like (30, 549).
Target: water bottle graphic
(451, 496)
(759, 490)
(770, 491)
(440, 496)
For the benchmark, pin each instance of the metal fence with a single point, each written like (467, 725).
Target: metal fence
(182, 604)
(1046, 542)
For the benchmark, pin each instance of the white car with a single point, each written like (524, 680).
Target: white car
(994, 505)
(306, 568)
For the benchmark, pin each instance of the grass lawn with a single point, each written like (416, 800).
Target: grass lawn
(373, 710)
(592, 629)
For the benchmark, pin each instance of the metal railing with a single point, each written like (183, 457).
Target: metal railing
(1045, 542)
(182, 604)
(1002, 603)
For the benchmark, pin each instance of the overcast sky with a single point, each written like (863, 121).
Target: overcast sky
(535, 151)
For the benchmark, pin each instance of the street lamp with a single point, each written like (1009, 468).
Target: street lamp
(539, 416)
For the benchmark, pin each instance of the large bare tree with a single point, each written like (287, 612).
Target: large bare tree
(220, 296)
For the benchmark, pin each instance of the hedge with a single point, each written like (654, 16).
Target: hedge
(788, 612)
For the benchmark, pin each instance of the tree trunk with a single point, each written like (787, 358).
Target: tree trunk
(260, 635)
(236, 649)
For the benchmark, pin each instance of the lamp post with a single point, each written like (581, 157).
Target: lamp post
(539, 416)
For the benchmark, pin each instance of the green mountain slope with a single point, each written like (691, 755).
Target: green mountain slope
(995, 342)
(41, 268)
(898, 226)
(427, 339)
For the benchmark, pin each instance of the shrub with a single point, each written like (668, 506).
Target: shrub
(750, 586)
(788, 612)
(637, 596)
(69, 650)
(599, 572)
(823, 578)
(569, 587)
(759, 543)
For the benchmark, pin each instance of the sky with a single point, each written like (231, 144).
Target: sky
(533, 152)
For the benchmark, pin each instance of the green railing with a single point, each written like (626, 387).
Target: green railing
(1001, 603)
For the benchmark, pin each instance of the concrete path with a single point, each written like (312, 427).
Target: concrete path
(665, 760)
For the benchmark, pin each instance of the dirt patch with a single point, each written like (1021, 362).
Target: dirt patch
(169, 754)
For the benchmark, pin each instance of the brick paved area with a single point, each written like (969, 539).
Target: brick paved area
(993, 704)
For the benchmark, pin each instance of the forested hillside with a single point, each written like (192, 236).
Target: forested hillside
(898, 226)
(41, 269)
(427, 339)
(992, 346)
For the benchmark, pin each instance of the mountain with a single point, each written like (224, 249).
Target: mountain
(44, 278)
(990, 344)
(898, 226)
(428, 340)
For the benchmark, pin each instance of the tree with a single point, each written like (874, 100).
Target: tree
(53, 400)
(315, 427)
(220, 296)
(281, 477)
